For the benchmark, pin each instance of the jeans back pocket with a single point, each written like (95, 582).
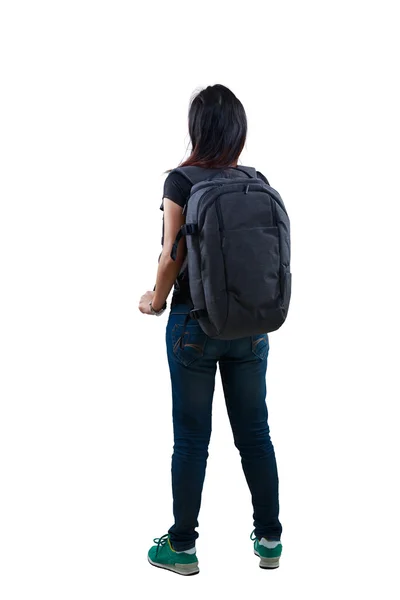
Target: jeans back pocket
(188, 343)
(260, 345)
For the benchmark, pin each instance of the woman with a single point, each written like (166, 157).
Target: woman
(217, 128)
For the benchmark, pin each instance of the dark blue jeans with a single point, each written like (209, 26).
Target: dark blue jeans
(243, 363)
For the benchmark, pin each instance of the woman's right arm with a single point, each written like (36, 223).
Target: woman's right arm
(168, 269)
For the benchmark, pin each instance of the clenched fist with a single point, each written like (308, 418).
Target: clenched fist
(144, 303)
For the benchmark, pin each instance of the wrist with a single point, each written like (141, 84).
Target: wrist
(155, 310)
(157, 306)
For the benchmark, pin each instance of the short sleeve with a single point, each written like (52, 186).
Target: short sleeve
(176, 188)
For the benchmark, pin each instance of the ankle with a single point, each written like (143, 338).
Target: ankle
(269, 543)
(191, 550)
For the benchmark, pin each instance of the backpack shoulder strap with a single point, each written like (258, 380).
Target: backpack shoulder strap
(193, 174)
(262, 177)
(250, 171)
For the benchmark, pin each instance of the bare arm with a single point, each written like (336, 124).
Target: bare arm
(168, 269)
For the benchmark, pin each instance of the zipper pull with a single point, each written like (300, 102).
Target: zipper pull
(184, 209)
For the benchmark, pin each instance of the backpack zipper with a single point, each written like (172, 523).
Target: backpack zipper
(221, 220)
(214, 186)
(204, 185)
(217, 208)
(210, 193)
(219, 215)
(213, 189)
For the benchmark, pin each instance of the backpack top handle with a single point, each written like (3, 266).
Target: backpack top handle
(196, 174)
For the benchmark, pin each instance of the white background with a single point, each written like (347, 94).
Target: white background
(93, 110)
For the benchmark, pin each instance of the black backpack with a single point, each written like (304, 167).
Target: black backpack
(238, 252)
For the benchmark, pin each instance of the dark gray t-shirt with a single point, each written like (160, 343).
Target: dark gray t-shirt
(177, 188)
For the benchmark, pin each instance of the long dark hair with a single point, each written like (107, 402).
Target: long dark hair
(217, 128)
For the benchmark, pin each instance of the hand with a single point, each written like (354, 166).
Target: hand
(144, 303)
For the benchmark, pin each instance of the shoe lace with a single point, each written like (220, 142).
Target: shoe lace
(253, 536)
(161, 541)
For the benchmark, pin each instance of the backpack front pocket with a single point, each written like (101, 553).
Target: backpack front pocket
(252, 262)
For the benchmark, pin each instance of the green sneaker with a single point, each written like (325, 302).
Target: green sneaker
(165, 557)
(269, 557)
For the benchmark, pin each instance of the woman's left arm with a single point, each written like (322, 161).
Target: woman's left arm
(168, 269)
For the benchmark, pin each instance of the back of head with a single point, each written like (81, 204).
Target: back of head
(217, 128)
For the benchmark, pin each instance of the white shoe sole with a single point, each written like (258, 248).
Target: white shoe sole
(191, 569)
(268, 563)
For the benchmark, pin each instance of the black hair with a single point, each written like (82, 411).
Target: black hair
(217, 128)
